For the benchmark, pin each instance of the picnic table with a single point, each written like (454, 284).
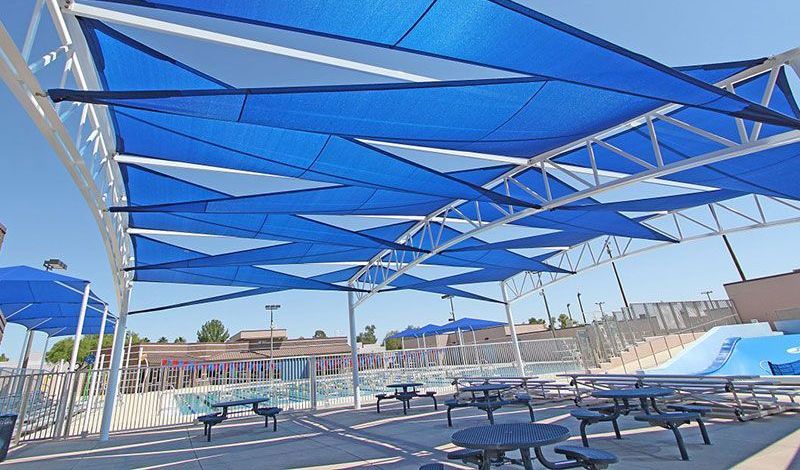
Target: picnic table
(405, 386)
(487, 402)
(254, 402)
(643, 394)
(495, 440)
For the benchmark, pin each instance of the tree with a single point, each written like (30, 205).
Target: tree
(180, 339)
(212, 331)
(3, 357)
(565, 321)
(535, 321)
(320, 334)
(62, 350)
(162, 340)
(395, 343)
(368, 336)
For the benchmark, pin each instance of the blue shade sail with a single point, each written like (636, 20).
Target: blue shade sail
(663, 203)
(285, 152)
(153, 251)
(473, 277)
(509, 116)
(147, 187)
(487, 258)
(561, 239)
(338, 200)
(407, 281)
(772, 172)
(600, 223)
(288, 253)
(336, 276)
(500, 34)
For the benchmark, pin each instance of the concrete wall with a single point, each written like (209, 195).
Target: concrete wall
(768, 298)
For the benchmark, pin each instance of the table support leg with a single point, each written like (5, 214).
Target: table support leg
(526, 459)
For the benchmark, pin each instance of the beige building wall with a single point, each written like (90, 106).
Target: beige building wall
(768, 298)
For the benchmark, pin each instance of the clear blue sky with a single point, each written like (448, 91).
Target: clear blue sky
(46, 216)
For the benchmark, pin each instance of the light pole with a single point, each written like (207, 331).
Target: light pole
(707, 293)
(453, 318)
(600, 305)
(54, 263)
(569, 314)
(271, 308)
(452, 308)
(547, 309)
(580, 304)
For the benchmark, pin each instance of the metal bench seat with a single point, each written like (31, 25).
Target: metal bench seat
(700, 409)
(589, 417)
(471, 456)
(593, 459)
(267, 413)
(382, 396)
(672, 421)
(455, 403)
(208, 421)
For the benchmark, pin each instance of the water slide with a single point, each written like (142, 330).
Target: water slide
(733, 350)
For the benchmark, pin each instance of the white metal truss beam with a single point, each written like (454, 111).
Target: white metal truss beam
(648, 173)
(703, 221)
(170, 27)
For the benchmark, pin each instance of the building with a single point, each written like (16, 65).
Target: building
(242, 346)
(771, 298)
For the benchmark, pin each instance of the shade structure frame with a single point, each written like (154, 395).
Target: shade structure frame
(780, 59)
(98, 150)
(595, 185)
(685, 225)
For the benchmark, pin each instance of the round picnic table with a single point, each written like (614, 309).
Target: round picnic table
(405, 386)
(495, 440)
(487, 401)
(643, 394)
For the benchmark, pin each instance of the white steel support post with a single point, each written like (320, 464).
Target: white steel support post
(79, 328)
(97, 365)
(512, 330)
(44, 353)
(26, 352)
(113, 373)
(354, 349)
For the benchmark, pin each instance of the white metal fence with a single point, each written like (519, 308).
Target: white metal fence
(62, 404)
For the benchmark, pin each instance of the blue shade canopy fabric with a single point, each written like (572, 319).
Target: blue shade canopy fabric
(771, 172)
(574, 220)
(288, 253)
(56, 319)
(500, 33)
(47, 301)
(507, 116)
(23, 284)
(663, 203)
(285, 152)
(149, 251)
(147, 187)
(407, 281)
(336, 200)
(466, 324)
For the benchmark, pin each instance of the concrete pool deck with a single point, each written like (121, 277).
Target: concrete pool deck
(343, 438)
